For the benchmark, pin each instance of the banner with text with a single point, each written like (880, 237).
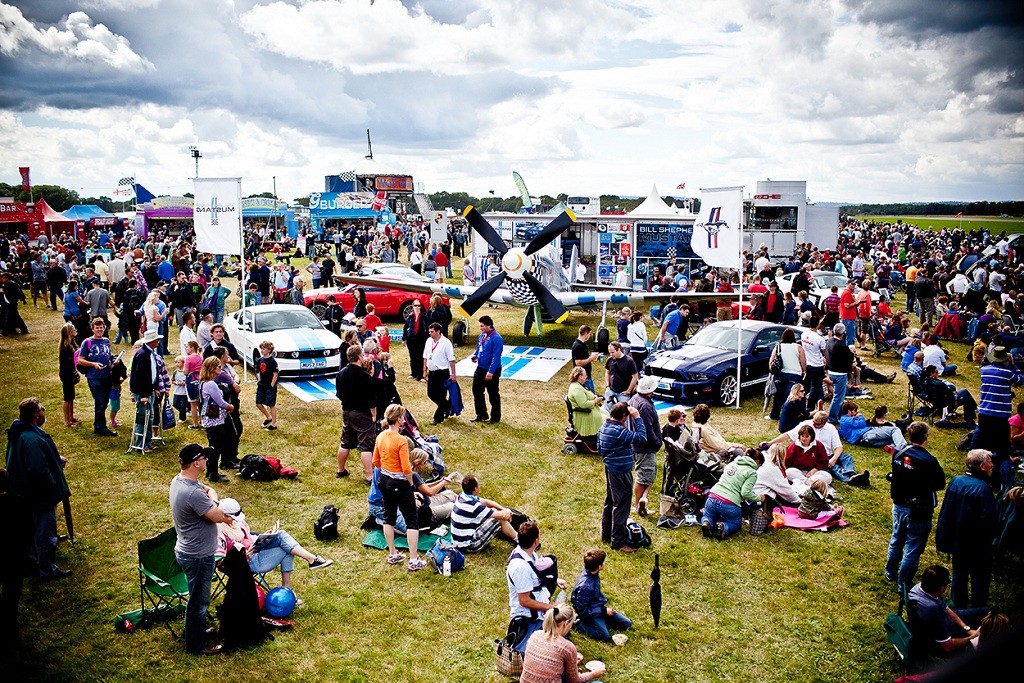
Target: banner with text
(218, 215)
(716, 234)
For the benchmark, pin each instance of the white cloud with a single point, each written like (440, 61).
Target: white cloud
(80, 39)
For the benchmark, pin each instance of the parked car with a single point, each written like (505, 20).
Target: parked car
(823, 281)
(303, 347)
(703, 369)
(389, 303)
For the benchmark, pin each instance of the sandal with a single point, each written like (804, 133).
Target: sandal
(397, 558)
(417, 564)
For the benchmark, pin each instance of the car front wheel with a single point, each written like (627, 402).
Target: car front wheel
(727, 389)
(406, 310)
(319, 310)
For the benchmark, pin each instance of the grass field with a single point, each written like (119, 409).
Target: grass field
(993, 223)
(788, 606)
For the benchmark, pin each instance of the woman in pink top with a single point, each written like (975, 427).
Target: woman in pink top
(193, 364)
(550, 657)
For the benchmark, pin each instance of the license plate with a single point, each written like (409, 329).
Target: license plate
(665, 385)
(312, 364)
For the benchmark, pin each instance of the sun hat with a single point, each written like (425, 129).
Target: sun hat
(647, 384)
(150, 336)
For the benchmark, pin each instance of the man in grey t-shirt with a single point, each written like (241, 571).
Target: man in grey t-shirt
(99, 301)
(196, 515)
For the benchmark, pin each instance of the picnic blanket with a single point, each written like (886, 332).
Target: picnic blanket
(824, 522)
(375, 539)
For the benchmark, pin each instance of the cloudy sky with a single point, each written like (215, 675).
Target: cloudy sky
(884, 100)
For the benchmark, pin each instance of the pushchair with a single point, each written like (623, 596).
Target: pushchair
(882, 344)
(688, 475)
(573, 443)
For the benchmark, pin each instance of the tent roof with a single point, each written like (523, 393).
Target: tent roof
(83, 212)
(654, 205)
(49, 215)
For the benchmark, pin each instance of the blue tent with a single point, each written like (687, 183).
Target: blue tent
(85, 212)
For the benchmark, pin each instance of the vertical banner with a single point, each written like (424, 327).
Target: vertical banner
(26, 184)
(218, 215)
(716, 233)
(438, 227)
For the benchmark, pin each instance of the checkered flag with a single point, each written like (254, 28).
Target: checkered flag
(347, 176)
(125, 187)
(671, 253)
(127, 180)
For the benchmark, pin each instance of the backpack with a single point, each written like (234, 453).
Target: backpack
(257, 468)
(442, 549)
(325, 528)
(636, 535)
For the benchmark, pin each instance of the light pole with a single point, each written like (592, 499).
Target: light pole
(197, 156)
(493, 200)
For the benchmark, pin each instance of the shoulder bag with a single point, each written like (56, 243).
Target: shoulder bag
(507, 661)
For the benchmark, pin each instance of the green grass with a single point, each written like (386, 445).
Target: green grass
(994, 223)
(786, 606)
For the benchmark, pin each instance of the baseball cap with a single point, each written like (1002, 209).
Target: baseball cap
(192, 452)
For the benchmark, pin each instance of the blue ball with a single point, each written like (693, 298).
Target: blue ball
(280, 602)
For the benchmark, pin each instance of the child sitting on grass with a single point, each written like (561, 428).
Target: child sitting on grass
(266, 388)
(815, 500)
(591, 605)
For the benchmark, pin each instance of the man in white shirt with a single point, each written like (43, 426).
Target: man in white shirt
(814, 348)
(840, 463)
(528, 597)
(438, 368)
(936, 355)
(958, 285)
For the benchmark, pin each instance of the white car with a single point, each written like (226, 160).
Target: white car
(302, 345)
(823, 280)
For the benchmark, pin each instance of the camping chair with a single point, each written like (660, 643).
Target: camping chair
(916, 399)
(897, 631)
(161, 579)
(880, 342)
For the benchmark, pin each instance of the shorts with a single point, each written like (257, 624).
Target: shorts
(360, 431)
(646, 465)
(192, 389)
(266, 395)
(39, 287)
(865, 326)
(115, 400)
(481, 536)
(397, 494)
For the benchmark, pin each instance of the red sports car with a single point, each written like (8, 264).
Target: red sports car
(389, 303)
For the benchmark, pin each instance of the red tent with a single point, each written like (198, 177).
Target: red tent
(55, 222)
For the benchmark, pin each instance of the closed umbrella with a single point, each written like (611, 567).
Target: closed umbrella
(67, 519)
(656, 592)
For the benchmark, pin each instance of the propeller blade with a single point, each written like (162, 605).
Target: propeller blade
(551, 231)
(485, 230)
(474, 301)
(548, 300)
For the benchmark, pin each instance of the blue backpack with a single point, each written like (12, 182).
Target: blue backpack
(442, 549)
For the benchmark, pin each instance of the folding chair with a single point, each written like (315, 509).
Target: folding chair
(161, 580)
(141, 428)
(915, 400)
(897, 631)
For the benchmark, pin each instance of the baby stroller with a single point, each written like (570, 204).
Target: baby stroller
(429, 444)
(688, 475)
(573, 443)
(878, 336)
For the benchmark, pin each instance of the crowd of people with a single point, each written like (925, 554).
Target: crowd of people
(151, 287)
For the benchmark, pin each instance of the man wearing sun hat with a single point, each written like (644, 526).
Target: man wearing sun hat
(998, 377)
(645, 452)
(196, 515)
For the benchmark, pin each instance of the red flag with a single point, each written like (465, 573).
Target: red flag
(960, 214)
(26, 184)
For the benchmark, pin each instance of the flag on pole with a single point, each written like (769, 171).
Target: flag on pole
(716, 232)
(681, 186)
(26, 184)
(125, 187)
(217, 215)
(960, 214)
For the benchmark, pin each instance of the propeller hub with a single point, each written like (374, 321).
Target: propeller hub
(516, 262)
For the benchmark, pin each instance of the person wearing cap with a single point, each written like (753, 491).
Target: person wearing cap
(998, 378)
(196, 516)
(645, 452)
(266, 551)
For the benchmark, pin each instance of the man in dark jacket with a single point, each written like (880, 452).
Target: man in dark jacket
(357, 391)
(645, 453)
(615, 443)
(916, 477)
(144, 381)
(966, 526)
(36, 480)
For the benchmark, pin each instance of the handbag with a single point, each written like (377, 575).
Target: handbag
(759, 520)
(776, 363)
(168, 416)
(212, 410)
(507, 661)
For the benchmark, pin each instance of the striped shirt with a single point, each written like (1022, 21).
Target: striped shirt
(468, 513)
(996, 394)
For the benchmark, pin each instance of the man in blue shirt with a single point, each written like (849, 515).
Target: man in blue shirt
(488, 371)
(615, 444)
(995, 408)
(94, 355)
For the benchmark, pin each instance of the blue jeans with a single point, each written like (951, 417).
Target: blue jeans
(949, 369)
(278, 552)
(377, 512)
(839, 381)
(730, 515)
(851, 331)
(909, 538)
(597, 627)
(883, 436)
(44, 547)
(100, 390)
(843, 469)
(199, 572)
(531, 628)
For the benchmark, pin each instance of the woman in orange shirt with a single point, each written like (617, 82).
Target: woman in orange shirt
(393, 472)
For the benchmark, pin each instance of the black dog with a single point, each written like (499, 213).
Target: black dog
(240, 622)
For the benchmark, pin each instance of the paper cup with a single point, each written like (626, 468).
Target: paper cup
(620, 638)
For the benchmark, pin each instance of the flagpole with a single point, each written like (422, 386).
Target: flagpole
(241, 272)
(739, 328)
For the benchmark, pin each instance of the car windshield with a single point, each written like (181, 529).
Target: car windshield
(286, 320)
(720, 337)
(826, 281)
